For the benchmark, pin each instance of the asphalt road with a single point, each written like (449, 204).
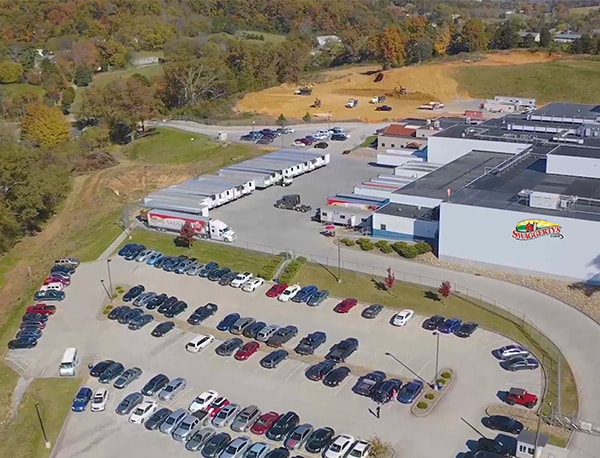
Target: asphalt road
(78, 323)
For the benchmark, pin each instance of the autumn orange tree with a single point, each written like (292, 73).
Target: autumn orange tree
(391, 46)
(45, 126)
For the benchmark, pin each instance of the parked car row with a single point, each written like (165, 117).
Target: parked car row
(36, 316)
(376, 386)
(266, 136)
(198, 425)
(189, 266)
(516, 358)
(310, 295)
(454, 326)
(317, 139)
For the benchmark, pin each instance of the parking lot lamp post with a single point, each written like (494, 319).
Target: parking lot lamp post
(437, 357)
(105, 290)
(37, 410)
(391, 355)
(537, 450)
(329, 121)
(110, 285)
(253, 123)
(339, 275)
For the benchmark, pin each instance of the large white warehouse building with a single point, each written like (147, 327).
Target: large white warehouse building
(520, 193)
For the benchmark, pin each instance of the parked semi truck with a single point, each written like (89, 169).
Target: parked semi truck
(206, 228)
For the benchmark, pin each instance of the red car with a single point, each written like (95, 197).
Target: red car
(276, 289)
(42, 309)
(264, 423)
(247, 351)
(346, 305)
(217, 405)
(57, 279)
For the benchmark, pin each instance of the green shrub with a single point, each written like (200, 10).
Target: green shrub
(409, 252)
(386, 249)
(423, 247)
(120, 289)
(430, 396)
(349, 242)
(422, 405)
(446, 375)
(381, 243)
(362, 240)
(397, 246)
(268, 270)
(291, 270)
(367, 246)
(108, 307)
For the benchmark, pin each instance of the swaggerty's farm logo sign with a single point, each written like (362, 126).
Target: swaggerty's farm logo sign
(530, 229)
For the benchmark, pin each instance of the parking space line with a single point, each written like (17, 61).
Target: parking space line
(298, 368)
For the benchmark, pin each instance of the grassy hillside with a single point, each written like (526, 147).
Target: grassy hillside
(568, 81)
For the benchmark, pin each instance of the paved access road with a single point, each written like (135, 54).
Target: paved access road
(78, 323)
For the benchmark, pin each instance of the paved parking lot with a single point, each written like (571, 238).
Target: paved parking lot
(78, 323)
(288, 229)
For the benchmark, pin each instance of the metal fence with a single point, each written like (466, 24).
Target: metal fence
(544, 349)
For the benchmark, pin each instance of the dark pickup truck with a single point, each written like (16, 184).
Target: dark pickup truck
(310, 343)
(282, 336)
(342, 350)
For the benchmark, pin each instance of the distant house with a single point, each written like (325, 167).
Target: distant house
(535, 35)
(566, 37)
(324, 40)
(397, 136)
(151, 60)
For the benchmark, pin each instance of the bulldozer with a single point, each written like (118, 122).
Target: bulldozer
(316, 103)
(400, 90)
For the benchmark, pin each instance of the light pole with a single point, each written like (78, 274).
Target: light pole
(437, 357)
(391, 355)
(37, 410)
(537, 450)
(339, 275)
(105, 290)
(329, 121)
(253, 123)
(110, 285)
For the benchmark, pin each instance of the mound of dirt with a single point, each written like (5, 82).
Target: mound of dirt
(425, 83)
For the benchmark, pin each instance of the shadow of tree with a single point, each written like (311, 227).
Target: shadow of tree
(588, 289)
(432, 296)
(379, 285)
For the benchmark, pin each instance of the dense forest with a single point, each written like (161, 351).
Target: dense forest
(212, 52)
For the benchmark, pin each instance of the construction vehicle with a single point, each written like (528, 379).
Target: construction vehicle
(303, 91)
(521, 397)
(351, 103)
(292, 202)
(378, 99)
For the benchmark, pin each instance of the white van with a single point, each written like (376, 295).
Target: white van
(198, 343)
(53, 286)
(69, 363)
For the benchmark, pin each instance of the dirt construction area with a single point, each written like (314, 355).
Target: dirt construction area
(424, 84)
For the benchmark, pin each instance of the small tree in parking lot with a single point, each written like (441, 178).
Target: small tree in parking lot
(187, 234)
(390, 280)
(281, 120)
(380, 449)
(445, 289)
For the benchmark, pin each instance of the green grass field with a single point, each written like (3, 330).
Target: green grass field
(171, 146)
(561, 81)
(22, 437)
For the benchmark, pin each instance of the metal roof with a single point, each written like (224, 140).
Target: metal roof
(219, 179)
(576, 151)
(409, 211)
(199, 187)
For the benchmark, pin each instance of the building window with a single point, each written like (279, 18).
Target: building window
(383, 144)
(383, 227)
(342, 216)
(531, 450)
(393, 145)
(522, 448)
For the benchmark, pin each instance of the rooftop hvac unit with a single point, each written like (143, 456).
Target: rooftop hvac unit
(544, 200)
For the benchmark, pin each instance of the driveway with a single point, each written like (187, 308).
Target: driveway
(78, 323)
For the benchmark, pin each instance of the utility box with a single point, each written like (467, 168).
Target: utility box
(222, 136)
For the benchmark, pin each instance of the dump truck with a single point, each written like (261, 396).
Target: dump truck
(204, 228)
(292, 202)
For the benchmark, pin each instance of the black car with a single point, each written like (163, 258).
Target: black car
(100, 367)
(466, 329)
(336, 376)
(129, 316)
(342, 350)
(22, 342)
(62, 268)
(160, 262)
(29, 333)
(167, 304)
(282, 336)
(319, 440)
(216, 445)
(228, 278)
(387, 391)
(35, 317)
(502, 423)
(133, 252)
(117, 312)
(320, 370)
(155, 384)
(39, 324)
(156, 301)
(203, 313)
(280, 452)
(171, 264)
(490, 445)
(229, 347)
(133, 293)
(310, 343)
(208, 268)
(140, 322)
(321, 145)
(283, 426)
(176, 309)
(434, 322)
(366, 386)
(217, 274)
(254, 329)
(228, 321)
(372, 311)
(111, 373)
(157, 418)
(126, 249)
(273, 359)
(162, 328)
(383, 108)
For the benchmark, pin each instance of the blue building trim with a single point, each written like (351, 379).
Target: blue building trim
(379, 234)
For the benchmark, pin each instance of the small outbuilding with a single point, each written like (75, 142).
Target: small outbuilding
(526, 443)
